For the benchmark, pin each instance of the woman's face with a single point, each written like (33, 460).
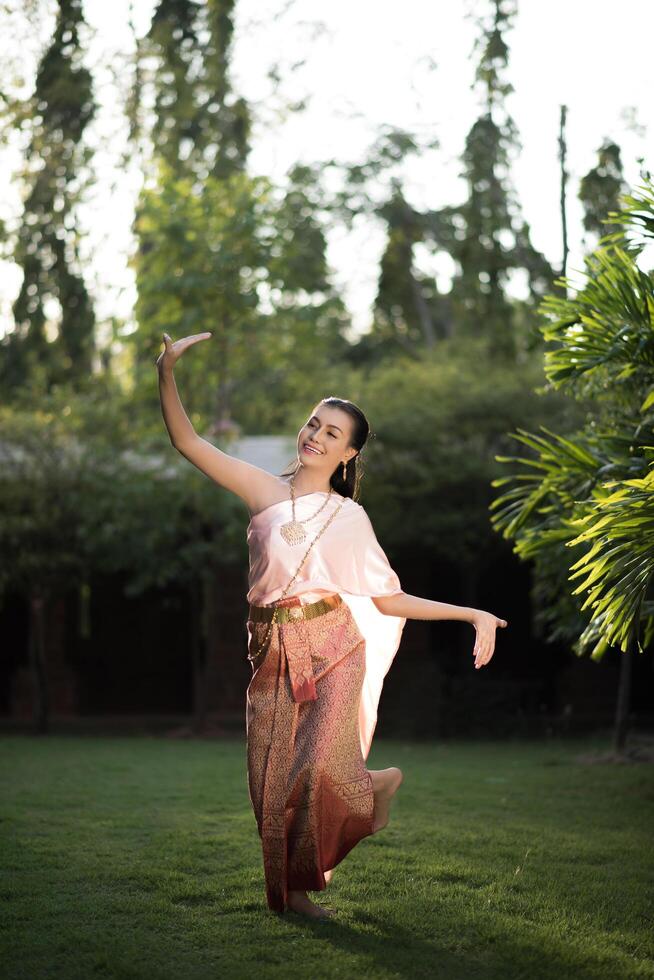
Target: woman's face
(328, 430)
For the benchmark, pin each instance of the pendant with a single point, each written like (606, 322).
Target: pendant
(292, 532)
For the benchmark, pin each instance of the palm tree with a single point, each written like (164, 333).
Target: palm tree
(592, 490)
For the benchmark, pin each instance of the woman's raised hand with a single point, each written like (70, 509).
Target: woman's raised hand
(485, 624)
(173, 349)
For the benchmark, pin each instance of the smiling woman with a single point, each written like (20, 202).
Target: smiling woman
(326, 614)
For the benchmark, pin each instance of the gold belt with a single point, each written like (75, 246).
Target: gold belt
(286, 613)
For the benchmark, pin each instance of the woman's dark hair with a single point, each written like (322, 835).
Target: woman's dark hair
(348, 487)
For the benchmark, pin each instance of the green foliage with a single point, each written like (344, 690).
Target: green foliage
(197, 127)
(603, 335)
(217, 250)
(618, 565)
(45, 247)
(488, 238)
(409, 311)
(591, 490)
(83, 493)
(601, 188)
(493, 49)
(235, 257)
(484, 235)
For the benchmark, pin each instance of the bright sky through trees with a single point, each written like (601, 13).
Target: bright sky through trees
(379, 64)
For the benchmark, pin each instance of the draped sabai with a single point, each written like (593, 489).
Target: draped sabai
(347, 559)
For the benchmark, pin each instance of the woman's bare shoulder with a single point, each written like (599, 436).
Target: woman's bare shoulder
(274, 491)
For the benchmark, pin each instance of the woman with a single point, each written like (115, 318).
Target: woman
(326, 616)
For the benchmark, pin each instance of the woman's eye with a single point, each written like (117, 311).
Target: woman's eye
(312, 425)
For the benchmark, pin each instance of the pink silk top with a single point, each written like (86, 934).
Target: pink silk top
(347, 559)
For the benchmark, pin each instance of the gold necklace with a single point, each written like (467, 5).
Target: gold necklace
(293, 532)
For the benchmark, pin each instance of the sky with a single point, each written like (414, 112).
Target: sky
(379, 64)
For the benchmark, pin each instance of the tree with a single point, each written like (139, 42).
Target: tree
(591, 490)
(213, 259)
(484, 235)
(196, 126)
(601, 188)
(564, 175)
(409, 313)
(408, 308)
(248, 260)
(46, 244)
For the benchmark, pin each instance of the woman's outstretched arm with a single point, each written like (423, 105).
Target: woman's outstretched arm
(415, 607)
(252, 484)
(180, 428)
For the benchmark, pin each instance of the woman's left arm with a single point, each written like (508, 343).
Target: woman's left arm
(415, 607)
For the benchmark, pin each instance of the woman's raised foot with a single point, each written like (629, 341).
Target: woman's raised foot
(385, 784)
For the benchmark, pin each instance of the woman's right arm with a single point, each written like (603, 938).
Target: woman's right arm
(254, 485)
(180, 428)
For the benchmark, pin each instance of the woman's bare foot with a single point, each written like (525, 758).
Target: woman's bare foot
(328, 875)
(300, 902)
(385, 784)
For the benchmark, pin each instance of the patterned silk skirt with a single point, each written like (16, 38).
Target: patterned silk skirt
(309, 787)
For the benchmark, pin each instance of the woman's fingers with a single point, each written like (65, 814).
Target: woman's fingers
(484, 651)
(192, 338)
(484, 647)
(483, 657)
(483, 654)
(182, 344)
(485, 625)
(175, 348)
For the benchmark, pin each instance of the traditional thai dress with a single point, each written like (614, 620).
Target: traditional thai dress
(312, 701)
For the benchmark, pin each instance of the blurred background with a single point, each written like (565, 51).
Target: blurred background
(447, 219)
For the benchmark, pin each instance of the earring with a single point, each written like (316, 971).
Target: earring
(344, 471)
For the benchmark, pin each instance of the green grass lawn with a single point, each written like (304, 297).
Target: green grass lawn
(139, 858)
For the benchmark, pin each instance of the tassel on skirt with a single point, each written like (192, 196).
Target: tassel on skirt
(310, 790)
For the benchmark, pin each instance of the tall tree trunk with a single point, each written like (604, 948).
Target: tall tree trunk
(422, 309)
(41, 706)
(564, 178)
(426, 322)
(624, 696)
